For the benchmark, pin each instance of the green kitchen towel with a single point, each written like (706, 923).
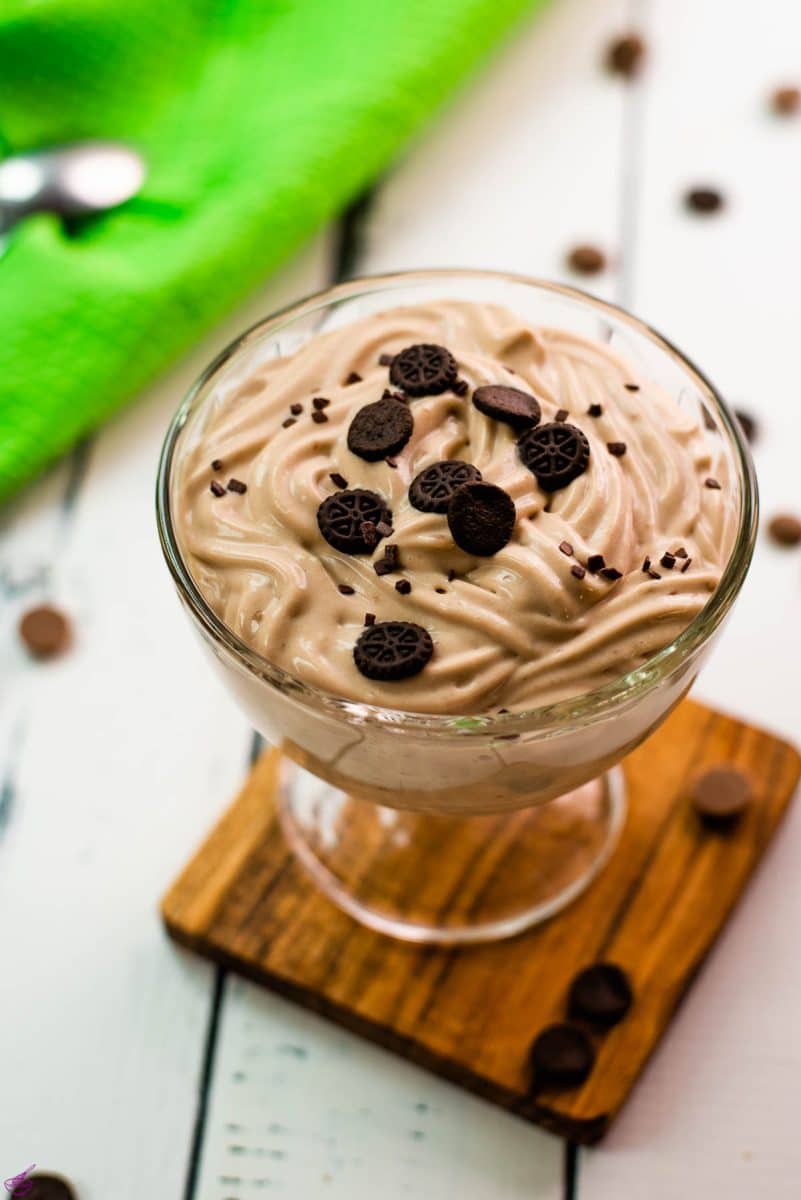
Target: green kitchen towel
(258, 120)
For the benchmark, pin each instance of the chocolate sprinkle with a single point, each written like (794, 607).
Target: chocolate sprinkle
(515, 407)
(423, 370)
(386, 360)
(577, 571)
(625, 55)
(403, 586)
(345, 517)
(391, 462)
(631, 387)
(680, 553)
(216, 488)
(595, 410)
(441, 591)
(611, 573)
(481, 518)
(668, 561)
(586, 260)
(318, 417)
(596, 563)
(461, 387)
(296, 409)
(369, 619)
(617, 449)
(288, 423)
(381, 428)
(646, 566)
(556, 454)
(338, 479)
(392, 650)
(703, 200)
(383, 528)
(600, 994)
(346, 589)
(561, 415)
(656, 575)
(320, 402)
(433, 488)
(566, 548)
(686, 566)
(562, 1055)
(354, 377)
(389, 563)
(712, 483)
(236, 485)
(217, 465)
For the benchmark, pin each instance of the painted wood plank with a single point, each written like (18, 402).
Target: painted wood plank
(129, 747)
(715, 1113)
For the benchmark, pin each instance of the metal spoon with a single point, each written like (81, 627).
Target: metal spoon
(84, 177)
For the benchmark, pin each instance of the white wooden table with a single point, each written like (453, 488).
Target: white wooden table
(139, 1070)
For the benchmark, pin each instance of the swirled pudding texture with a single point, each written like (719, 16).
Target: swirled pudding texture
(525, 626)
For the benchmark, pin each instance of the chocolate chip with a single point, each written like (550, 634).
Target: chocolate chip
(403, 586)
(617, 449)
(595, 410)
(562, 1055)
(712, 483)
(45, 630)
(236, 485)
(680, 553)
(786, 101)
(346, 589)
(586, 260)
(481, 518)
(596, 563)
(423, 370)
(388, 394)
(342, 519)
(391, 462)
(611, 573)
(748, 424)
(646, 566)
(43, 1187)
(288, 423)
(668, 561)
(296, 409)
(631, 387)
(461, 387)
(318, 417)
(686, 566)
(441, 591)
(381, 428)
(354, 377)
(656, 575)
(566, 548)
(720, 795)
(369, 619)
(339, 480)
(703, 200)
(785, 529)
(386, 360)
(600, 994)
(383, 528)
(556, 454)
(217, 465)
(320, 402)
(577, 571)
(625, 55)
(216, 488)
(392, 650)
(369, 532)
(517, 408)
(432, 490)
(389, 563)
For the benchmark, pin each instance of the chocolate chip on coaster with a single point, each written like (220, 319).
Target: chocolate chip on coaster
(432, 490)
(785, 529)
(392, 650)
(342, 519)
(45, 630)
(381, 428)
(424, 370)
(562, 1055)
(600, 994)
(517, 408)
(481, 518)
(720, 795)
(43, 1187)
(556, 454)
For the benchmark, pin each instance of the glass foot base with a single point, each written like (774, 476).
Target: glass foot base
(451, 880)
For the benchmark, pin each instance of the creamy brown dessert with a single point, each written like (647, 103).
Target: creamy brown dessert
(539, 517)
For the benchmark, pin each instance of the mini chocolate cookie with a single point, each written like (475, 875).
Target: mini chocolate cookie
(392, 650)
(435, 486)
(517, 408)
(562, 1055)
(600, 994)
(348, 520)
(381, 428)
(481, 518)
(556, 454)
(423, 370)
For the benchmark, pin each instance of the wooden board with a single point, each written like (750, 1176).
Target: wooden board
(471, 1014)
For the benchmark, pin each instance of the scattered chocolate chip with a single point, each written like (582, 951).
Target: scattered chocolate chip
(596, 563)
(561, 416)
(785, 529)
(748, 424)
(656, 575)
(236, 485)
(668, 561)
(346, 589)
(586, 260)
(600, 994)
(517, 408)
(712, 483)
(403, 586)
(433, 488)
(369, 619)
(423, 370)
(43, 1187)
(339, 480)
(786, 101)
(577, 571)
(595, 410)
(342, 519)
(392, 650)
(720, 795)
(383, 528)
(686, 566)
(216, 488)
(703, 200)
(646, 566)
(386, 360)
(481, 518)
(391, 462)
(369, 532)
(296, 409)
(562, 1055)
(461, 387)
(389, 562)
(381, 428)
(388, 394)
(625, 55)
(680, 553)
(288, 422)
(556, 454)
(217, 465)
(318, 417)
(45, 630)
(354, 377)
(566, 548)
(616, 449)
(441, 591)
(611, 573)
(631, 387)
(320, 402)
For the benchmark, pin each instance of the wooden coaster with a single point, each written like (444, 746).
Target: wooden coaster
(471, 1014)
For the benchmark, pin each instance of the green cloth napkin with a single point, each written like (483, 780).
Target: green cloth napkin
(258, 119)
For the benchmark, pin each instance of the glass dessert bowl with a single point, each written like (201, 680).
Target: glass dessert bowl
(453, 828)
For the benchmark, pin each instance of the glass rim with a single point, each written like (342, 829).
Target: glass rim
(586, 706)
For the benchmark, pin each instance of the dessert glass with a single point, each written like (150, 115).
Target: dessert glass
(451, 828)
